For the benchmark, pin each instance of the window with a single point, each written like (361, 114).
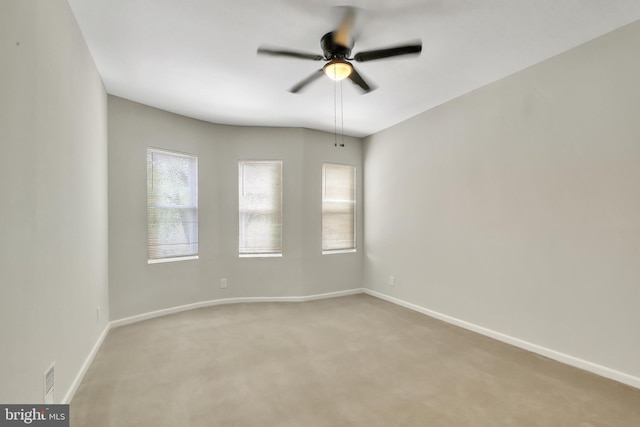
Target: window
(338, 208)
(260, 208)
(172, 206)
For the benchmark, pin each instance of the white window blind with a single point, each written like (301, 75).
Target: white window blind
(338, 208)
(172, 205)
(260, 208)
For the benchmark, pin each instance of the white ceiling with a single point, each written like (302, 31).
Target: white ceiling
(198, 57)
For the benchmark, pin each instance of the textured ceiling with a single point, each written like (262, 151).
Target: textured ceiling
(198, 57)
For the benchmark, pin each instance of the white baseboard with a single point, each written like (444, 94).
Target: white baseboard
(547, 352)
(85, 366)
(178, 309)
(552, 354)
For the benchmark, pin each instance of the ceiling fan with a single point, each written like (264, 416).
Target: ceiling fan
(336, 48)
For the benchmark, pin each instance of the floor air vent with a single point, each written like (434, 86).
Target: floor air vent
(49, 384)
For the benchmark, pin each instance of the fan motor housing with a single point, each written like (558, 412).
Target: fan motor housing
(332, 50)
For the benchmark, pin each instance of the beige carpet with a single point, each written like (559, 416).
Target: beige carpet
(351, 361)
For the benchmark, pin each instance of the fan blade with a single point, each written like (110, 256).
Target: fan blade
(306, 81)
(290, 53)
(342, 36)
(358, 80)
(388, 53)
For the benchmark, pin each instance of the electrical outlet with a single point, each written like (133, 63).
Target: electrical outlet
(392, 281)
(223, 283)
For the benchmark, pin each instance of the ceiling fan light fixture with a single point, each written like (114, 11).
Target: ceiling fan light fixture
(338, 70)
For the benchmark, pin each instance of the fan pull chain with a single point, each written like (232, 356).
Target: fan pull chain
(342, 114)
(335, 112)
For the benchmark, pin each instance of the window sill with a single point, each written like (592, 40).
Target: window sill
(163, 260)
(339, 251)
(260, 255)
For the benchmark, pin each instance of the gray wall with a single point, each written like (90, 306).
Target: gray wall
(138, 288)
(53, 186)
(517, 207)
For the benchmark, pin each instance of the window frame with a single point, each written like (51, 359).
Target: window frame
(260, 254)
(193, 187)
(353, 202)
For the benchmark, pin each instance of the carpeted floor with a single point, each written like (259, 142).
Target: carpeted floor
(350, 361)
